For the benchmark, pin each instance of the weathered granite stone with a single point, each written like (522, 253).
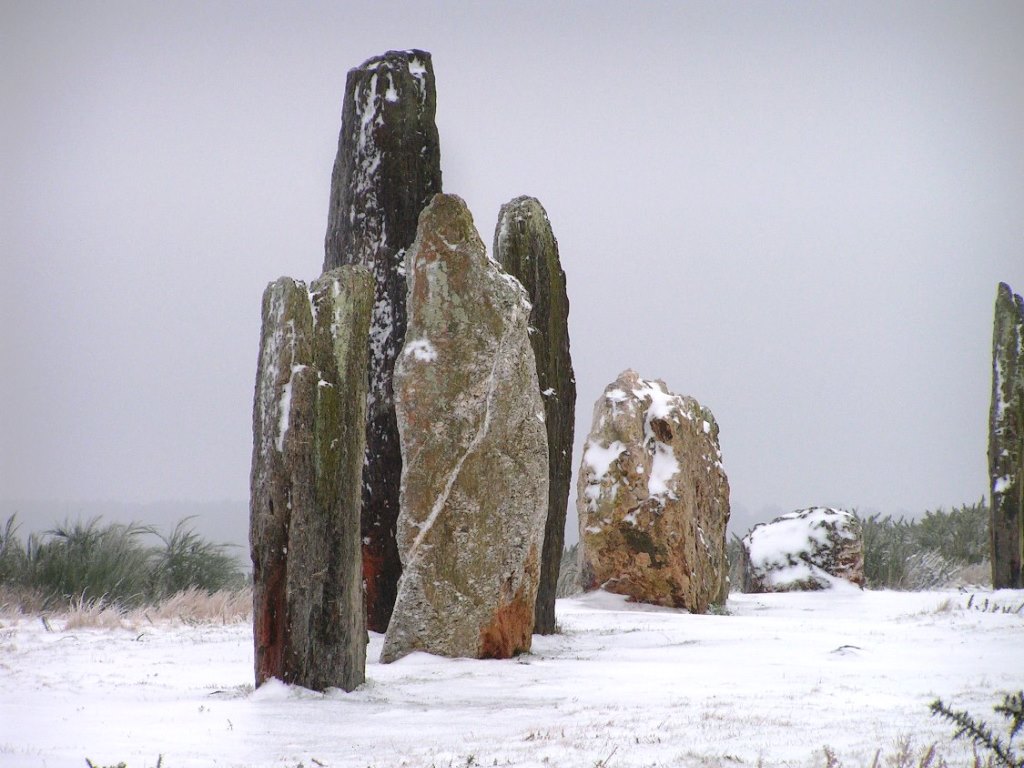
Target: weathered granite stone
(475, 479)
(308, 446)
(809, 549)
(526, 248)
(387, 169)
(653, 498)
(1006, 440)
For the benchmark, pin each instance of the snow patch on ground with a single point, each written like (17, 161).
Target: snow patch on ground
(770, 684)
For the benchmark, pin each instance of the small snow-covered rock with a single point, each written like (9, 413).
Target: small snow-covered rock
(805, 550)
(653, 498)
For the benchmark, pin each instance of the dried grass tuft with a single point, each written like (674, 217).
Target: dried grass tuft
(17, 601)
(191, 606)
(94, 614)
(195, 606)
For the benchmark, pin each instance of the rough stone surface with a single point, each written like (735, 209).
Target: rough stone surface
(526, 248)
(308, 446)
(475, 480)
(653, 498)
(1006, 441)
(809, 549)
(387, 169)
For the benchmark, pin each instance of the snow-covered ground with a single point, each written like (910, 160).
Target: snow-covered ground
(769, 684)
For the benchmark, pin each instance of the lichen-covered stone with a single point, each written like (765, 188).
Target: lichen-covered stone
(308, 446)
(1006, 441)
(526, 248)
(387, 169)
(653, 498)
(475, 479)
(809, 549)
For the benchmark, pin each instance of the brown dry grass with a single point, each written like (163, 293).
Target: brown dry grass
(193, 606)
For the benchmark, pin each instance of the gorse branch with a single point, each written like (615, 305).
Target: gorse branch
(979, 732)
(1012, 709)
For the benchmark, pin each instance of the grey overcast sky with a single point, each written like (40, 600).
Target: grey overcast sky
(796, 212)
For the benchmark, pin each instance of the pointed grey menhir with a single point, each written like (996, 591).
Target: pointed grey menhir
(387, 169)
(526, 248)
(475, 480)
(1006, 441)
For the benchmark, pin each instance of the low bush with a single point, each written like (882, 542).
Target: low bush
(186, 561)
(110, 565)
(939, 549)
(569, 573)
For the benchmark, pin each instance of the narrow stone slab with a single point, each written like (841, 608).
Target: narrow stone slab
(526, 248)
(1006, 440)
(308, 446)
(475, 480)
(387, 169)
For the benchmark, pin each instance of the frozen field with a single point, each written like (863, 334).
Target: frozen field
(769, 684)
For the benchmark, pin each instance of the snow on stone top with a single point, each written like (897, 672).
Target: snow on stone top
(662, 401)
(599, 457)
(615, 395)
(416, 67)
(419, 71)
(391, 94)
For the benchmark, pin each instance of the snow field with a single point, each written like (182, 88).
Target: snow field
(623, 685)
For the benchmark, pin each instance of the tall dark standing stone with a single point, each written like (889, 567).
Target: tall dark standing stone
(309, 413)
(526, 248)
(387, 169)
(1006, 440)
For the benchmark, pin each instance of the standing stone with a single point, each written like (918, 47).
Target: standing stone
(653, 498)
(308, 445)
(809, 549)
(526, 248)
(475, 479)
(387, 169)
(1006, 440)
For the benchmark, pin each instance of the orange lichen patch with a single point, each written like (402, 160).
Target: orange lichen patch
(510, 632)
(269, 624)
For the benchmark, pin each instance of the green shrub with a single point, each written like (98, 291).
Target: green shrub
(12, 555)
(186, 560)
(569, 573)
(81, 562)
(960, 535)
(86, 561)
(888, 545)
(734, 553)
(924, 553)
